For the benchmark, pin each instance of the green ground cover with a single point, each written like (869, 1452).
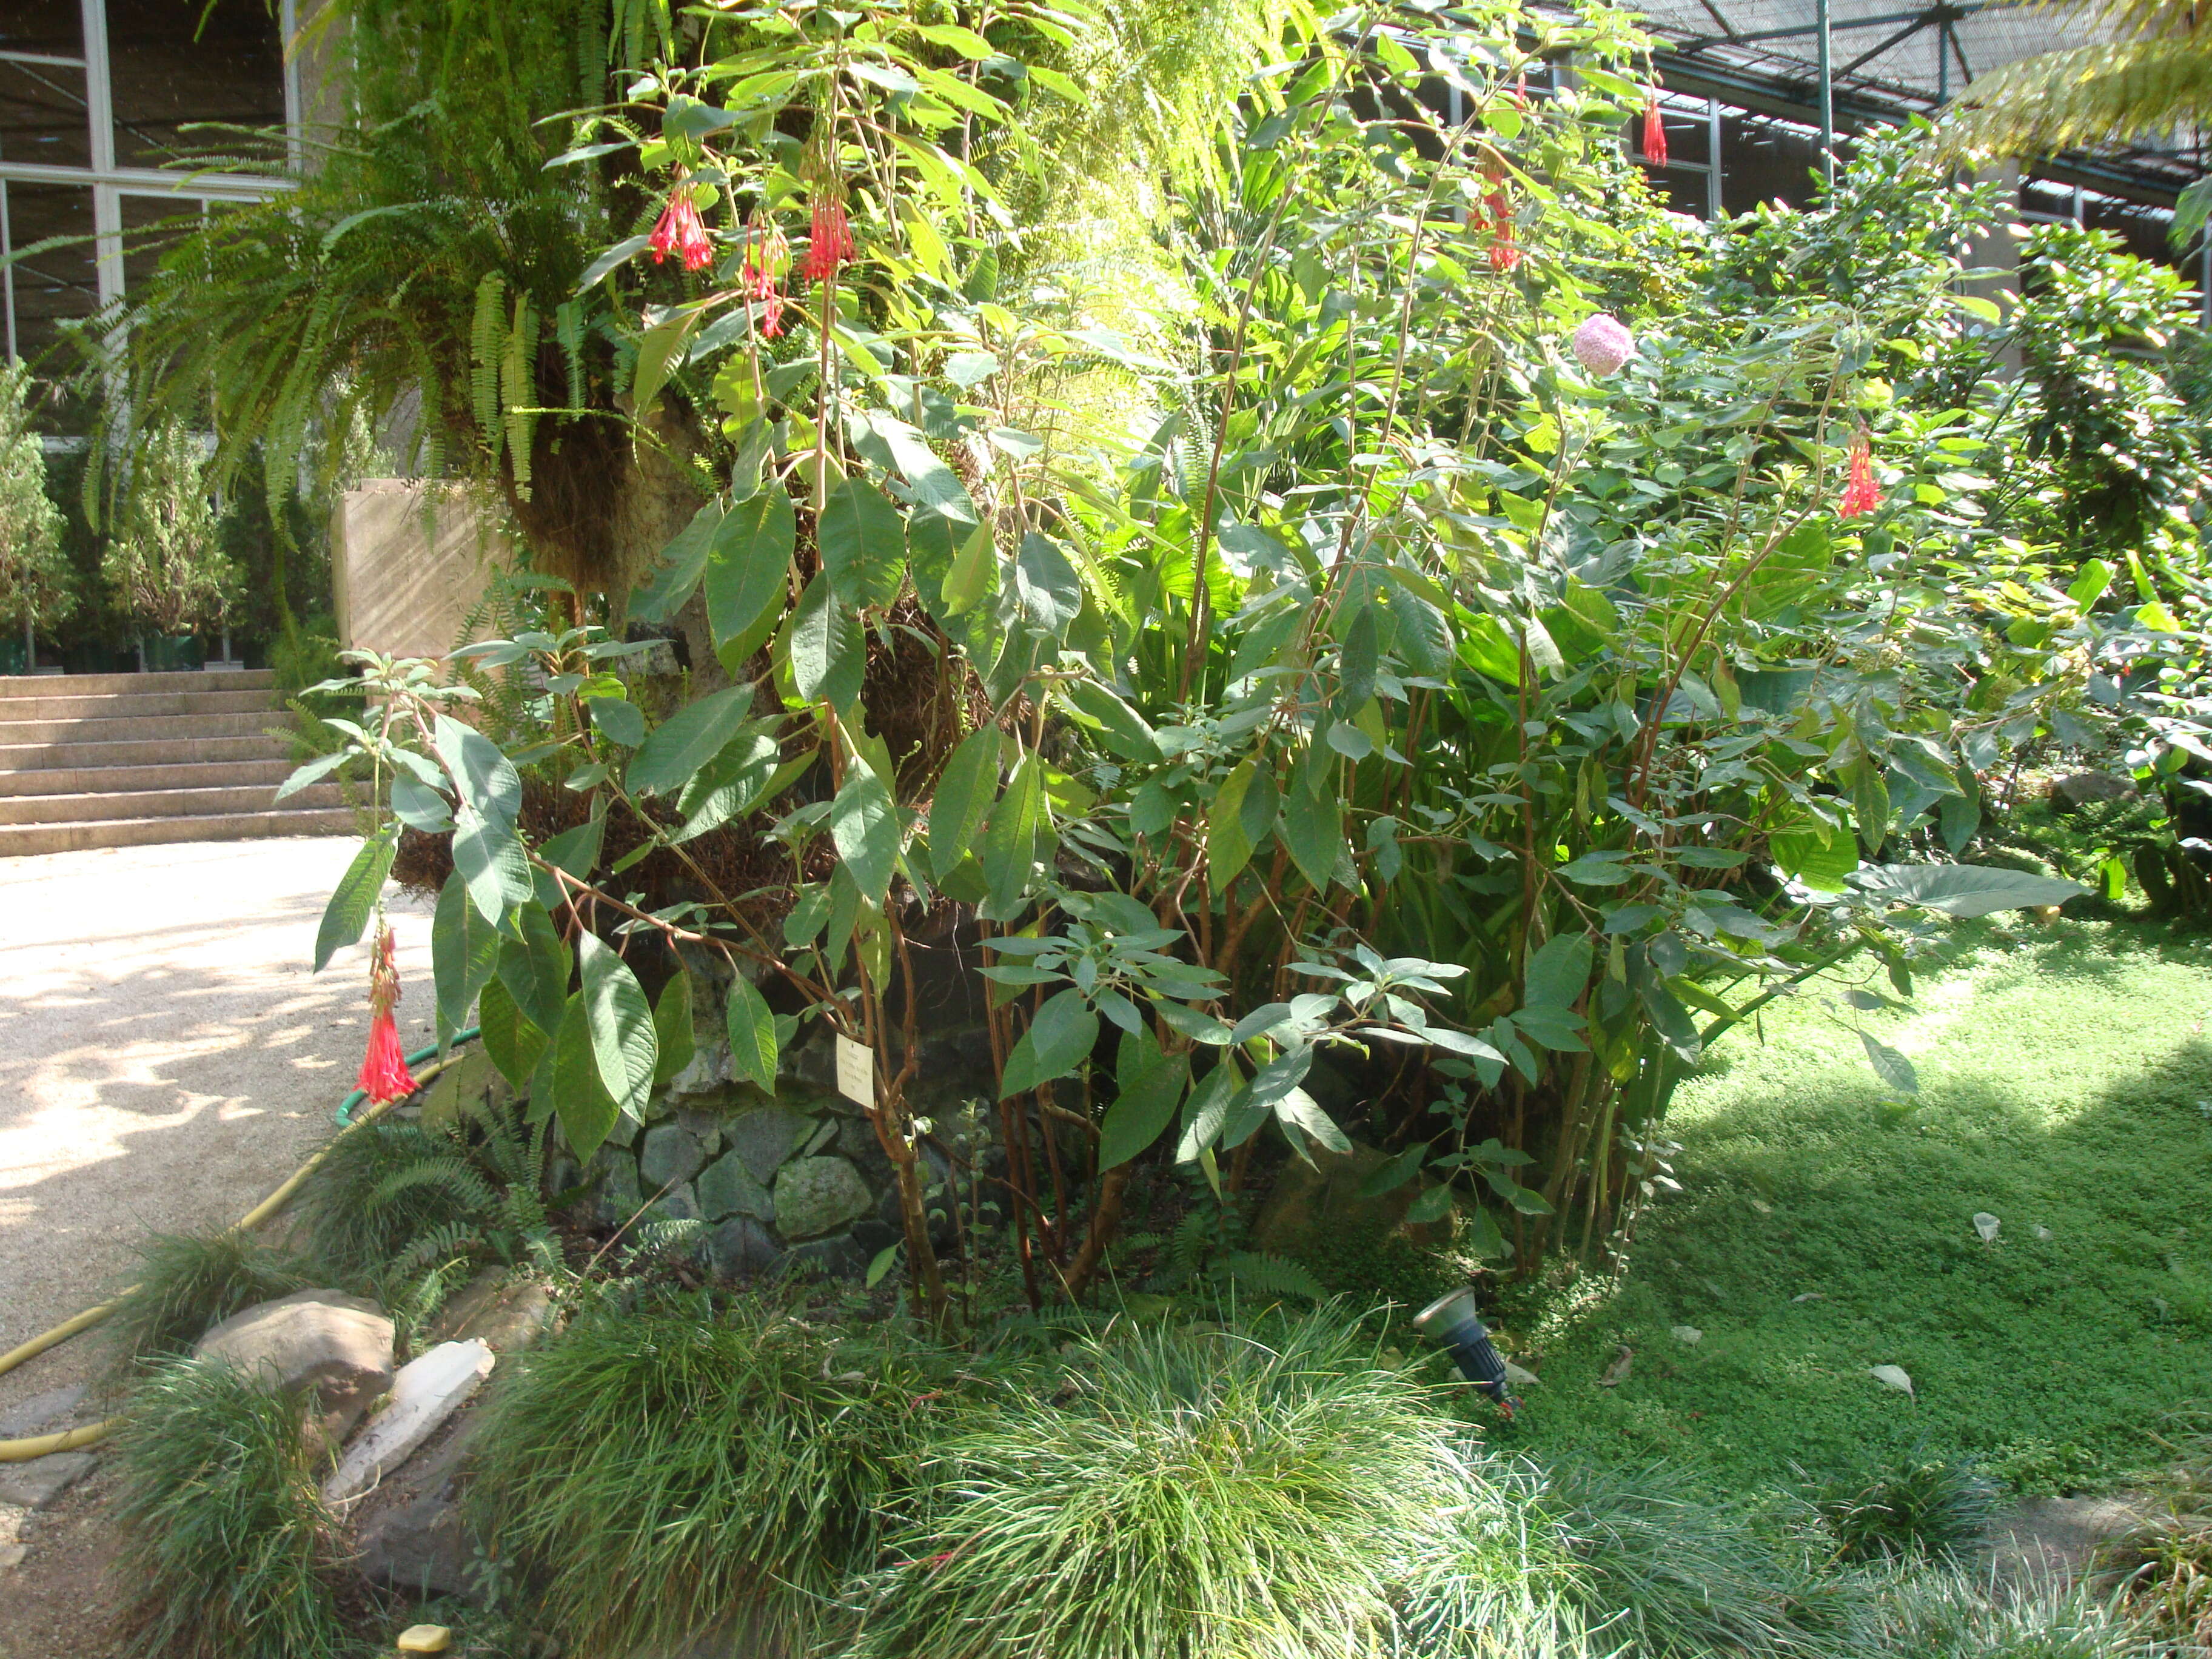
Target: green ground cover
(2063, 1076)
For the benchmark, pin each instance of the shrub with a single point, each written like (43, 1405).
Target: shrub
(227, 1555)
(185, 1283)
(661, 1475)
(1917, 1505)
(1201, 1493)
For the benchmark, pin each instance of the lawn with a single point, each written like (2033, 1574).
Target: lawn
(2064, 1080)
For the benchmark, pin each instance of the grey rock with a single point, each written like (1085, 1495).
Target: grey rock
(819, 1195)
(430, 1389)
(563, 1174)
(873, 1237)
(767, 1137)
(12, 1555)
(709, 1070)
(826, 1258)
(821, 1136)
(856, 1139)
(624, 1133)
(809, 1066)
(705, 1127)
(672, 1154)
(2073, 792)
(727, 1187)
(35, 1484)
(679, 1204)
(322, 1343)
(38, 1414)
(508, 1314)
(616, 1177)
(741, 1245)
(410, 1536)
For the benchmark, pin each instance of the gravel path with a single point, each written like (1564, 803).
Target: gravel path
(165, 1056)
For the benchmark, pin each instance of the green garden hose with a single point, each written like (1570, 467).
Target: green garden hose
(39, 1445)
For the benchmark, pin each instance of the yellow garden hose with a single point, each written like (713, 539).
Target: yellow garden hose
(39, 1445)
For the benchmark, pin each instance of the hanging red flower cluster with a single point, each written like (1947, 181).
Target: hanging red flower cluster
(1860, 494)
(384, 1074)
(681, 231)
(1655, 130)
(766, 253)
(828, 238)
(1496, 217)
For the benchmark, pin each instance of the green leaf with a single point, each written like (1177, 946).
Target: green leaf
(1152, 1086)
(618, 719)
(672, 1027)
(620, 254)
(1010, 846)
(534, 968)
(1219, 1092)
(676, 575)
(1893, 1068)
(1300, 1110)
(1557, 973)
(620, 1023)
(965, 791)
(1965, 890)
(1230, 840)
(354, 898)
(865, 828)
(587, 1109)
(1395, 1172)
(485, 779)
(1434, 1204)
(656, 356)
(753, 1046)
(575, 851)
(1357, 660)
(863, 542)
(514, 1044)
(419, 807)
(320, 768)
(828, 652)
(490, 858)
(1059, 1040)
(1818, 857)
(1313, 830)
(1127, 732)
(882, 1263)
(749, 572)
(463, 951)
(687, 741)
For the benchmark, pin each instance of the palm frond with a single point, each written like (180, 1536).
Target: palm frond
(2133, 89)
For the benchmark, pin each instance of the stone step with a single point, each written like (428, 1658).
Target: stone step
(218, 699)
(162, 728)
(138, 752)
(85, 685)
(65, 779)
(21, 839)
(159, 804)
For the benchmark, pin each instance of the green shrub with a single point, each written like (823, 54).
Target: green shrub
(185, 1283)
(1658, 1572)
(1200, 1492)
(660, 1475)
(226, 1556)
(1916, 1505)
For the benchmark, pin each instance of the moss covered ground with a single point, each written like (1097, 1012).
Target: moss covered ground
(1826, 1227)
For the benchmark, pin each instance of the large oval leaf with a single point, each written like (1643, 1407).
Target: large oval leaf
(514, 1044)
(864, 827)
(1152, 1087)
(463, 951)
(749, 572)
(1059, 1040)
(354, 898)
(863, 542)
(753, 1047)
(687, 741)
(965, 791)
(828, 650)
(620, 1021)
(1965, 890)
(587, 1109)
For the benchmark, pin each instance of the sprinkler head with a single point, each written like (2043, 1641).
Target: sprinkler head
(1451, 1320)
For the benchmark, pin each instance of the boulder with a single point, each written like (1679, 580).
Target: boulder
(330, 1349)
(767, 1137)
(409, 1535)
(829, 1258)
(2078, 789)
(616, 1174)
(741, 1245)
(672, 1154)
(819, 1195)
(727, 1187)
(507, 1314)
(1311, 1204)
(428, 1390)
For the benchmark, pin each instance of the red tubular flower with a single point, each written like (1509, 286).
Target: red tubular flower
(1504, 250)
(1521, 92)
(384, 1074)
(1654, 132)
(681, 231)
(830, 239)
(766, 253)
(1860, 494)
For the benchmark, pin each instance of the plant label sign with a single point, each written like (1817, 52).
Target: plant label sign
(856, 1071)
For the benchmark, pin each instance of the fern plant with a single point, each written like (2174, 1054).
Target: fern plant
(1207, 1249)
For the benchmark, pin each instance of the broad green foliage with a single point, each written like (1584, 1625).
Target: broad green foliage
(34, 584)
(167, 567)
(1400, 697)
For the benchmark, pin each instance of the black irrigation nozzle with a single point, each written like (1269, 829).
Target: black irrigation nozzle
(1451, 1320)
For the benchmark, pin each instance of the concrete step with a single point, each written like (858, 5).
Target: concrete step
(85, 685)
(139, 751)
(23, 839)
(217, 699)
(66, 779)
(161, 728)
(159, 804)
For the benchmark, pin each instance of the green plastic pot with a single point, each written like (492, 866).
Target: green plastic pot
(166, 654)
(12, 660)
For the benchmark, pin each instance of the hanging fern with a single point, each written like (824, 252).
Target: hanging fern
(485, 357)
(518, 391)
(568, 331)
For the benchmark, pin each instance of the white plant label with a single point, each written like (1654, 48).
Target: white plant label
(856, 1071)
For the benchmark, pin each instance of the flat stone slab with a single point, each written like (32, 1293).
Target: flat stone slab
(35, 1484)
(40, 1413)
(428, 1390)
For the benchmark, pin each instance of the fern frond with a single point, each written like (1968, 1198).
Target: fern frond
(569, 330)
(2130, 89)
(484, 357)
(1271, 1275)
(518, 391)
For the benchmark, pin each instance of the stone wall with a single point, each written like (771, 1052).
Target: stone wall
(408, 563)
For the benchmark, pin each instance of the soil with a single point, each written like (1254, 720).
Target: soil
(60, 1603)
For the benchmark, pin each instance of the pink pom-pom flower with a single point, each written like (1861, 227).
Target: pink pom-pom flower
(1601, 344)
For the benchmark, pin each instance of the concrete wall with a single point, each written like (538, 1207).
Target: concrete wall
(408, 563)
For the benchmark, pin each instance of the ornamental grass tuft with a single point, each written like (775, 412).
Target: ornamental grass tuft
(225, 1554)
(187, 1283)
(682, 1472)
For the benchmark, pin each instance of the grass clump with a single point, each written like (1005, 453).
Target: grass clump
(226, 1554)
(679, 1471)
(1912, 1506)
(186, 1284)
(1952, 1614)
(1234, 1495)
